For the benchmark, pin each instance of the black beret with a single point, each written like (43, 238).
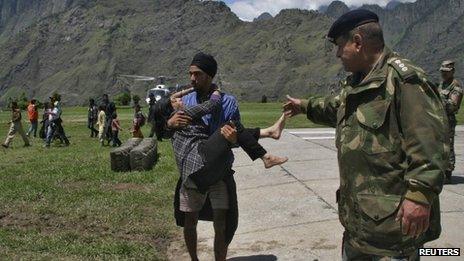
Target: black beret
(349, 21)
(206, 63)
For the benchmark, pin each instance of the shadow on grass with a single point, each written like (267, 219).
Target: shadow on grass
(254, 258)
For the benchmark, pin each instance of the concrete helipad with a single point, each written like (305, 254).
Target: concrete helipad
(289, 212)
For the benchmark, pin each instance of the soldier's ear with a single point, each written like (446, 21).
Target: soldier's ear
(358, 41)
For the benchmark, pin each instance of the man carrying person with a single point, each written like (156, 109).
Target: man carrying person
(393, 147)
(190, 204)
(204, 158)
(451, 93)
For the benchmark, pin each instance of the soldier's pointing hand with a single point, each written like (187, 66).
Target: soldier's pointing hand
(292, 107)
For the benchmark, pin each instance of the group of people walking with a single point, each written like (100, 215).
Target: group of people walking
(102, 121)
(105, 118)
(51, 123)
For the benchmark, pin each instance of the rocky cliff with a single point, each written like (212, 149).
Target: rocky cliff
(79, 48)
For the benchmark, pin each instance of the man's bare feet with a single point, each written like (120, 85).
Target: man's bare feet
(272, 160)
(275, 131)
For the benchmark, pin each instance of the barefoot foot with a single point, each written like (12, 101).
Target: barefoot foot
(275, 131)
(272, 160)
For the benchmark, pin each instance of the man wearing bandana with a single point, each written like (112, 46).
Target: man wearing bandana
(219, 202)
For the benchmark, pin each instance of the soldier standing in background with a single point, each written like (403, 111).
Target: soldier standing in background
(451, 95)
(392, 142)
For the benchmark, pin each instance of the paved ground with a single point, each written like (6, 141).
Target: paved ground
(289, 212)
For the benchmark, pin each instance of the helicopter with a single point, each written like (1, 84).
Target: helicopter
(161, 89)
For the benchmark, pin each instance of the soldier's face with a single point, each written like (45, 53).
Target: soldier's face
(348, 52)
(447, 75)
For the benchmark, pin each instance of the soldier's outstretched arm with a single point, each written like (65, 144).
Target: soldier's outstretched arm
(320, 110)
(424, 131)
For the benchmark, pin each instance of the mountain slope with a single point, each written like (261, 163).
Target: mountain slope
(79, 48)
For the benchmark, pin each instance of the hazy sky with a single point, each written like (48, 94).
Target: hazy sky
(250, 9)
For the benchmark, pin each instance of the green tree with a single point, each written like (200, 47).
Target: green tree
(122, 99)
(136, 99)
(23, 101)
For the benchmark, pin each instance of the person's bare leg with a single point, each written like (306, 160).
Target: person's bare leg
(270, 160)
(182, 93)
(275, 130)
(220, 245)
(190, 234)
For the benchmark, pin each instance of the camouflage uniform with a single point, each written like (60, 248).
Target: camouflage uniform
(391, 136)
(451, 95)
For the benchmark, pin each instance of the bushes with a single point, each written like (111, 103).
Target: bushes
(22, 101)
(136, 99)
(122, 99)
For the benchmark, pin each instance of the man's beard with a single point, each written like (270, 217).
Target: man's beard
(196, 86)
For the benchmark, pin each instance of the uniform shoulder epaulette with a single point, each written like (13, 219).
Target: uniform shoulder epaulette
(457, 86)
(406, 69)
(343, 83)
(457, 83)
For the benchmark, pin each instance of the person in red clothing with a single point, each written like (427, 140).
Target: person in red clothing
(137, 123)
(33, 116)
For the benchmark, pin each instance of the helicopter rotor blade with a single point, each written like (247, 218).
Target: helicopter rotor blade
(139, 77)
(144, 80)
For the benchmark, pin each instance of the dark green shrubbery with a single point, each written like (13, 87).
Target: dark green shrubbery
(122, 99)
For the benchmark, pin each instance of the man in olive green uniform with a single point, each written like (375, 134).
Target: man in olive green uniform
(391, 136)
(451, 94)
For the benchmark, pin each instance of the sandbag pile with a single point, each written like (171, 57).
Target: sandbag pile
(120, 156)
(143, 157)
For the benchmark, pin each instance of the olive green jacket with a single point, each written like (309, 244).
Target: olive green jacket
(451, 95)
(391, 136)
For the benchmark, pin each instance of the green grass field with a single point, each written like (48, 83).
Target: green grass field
(66, 203)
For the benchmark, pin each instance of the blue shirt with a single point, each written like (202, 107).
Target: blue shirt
(228, 112)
